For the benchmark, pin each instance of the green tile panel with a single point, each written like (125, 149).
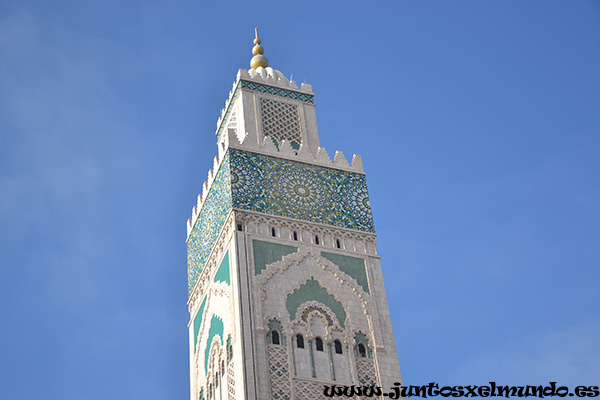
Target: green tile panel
(312, 290)
(223, 274)
(353, 266)
(266, 253)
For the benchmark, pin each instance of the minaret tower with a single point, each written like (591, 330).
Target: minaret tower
(286, 293)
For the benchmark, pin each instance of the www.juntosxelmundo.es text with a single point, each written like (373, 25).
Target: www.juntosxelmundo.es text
(433, 389)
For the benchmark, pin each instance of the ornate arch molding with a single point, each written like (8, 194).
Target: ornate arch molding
(279, 267)
(314, 309)
(219, 289)
(317, 297)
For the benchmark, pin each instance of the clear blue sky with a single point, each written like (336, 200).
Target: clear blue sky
(479, 127)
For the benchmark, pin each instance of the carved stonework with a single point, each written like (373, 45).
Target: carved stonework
(231, 381)
(279, 372)
(307, 390)
(349, 240)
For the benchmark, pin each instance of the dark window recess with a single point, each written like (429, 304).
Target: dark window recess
(274, 337)
(337, 243)
(338, 347)
(362, 351)
(239, 227)
(295, 236)
(316, 239)
(299, 341)
(273, 232)
(319, 344)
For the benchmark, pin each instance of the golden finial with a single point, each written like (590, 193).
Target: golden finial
(258, 60)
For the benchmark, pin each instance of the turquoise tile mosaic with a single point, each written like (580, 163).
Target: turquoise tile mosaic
(274, 186)
(209, 224)
(289, 94)
(302, 191)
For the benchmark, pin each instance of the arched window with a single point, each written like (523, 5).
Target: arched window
(337, 243)
(275, 337)
(319, 344)
(299, 341)
(316, 239)
(338, 347)
(362, 350)
(295, 235)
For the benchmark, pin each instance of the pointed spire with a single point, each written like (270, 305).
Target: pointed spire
(258, 60)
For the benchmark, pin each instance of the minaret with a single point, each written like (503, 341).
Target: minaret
(286, 293)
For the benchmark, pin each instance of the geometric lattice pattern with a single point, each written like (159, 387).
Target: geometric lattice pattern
(209, 223)
(259, 87)
(279, 369)
(365, 370)
(301, 191)
(288, 94)
(306, 390)
(281, 121)
(231, 381)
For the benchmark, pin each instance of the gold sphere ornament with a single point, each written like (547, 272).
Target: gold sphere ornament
(258, 60)
(258, 49)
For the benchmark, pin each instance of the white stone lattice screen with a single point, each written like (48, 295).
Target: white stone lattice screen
(309, 390)
(366, 371)
(231, 381)
(279, 369)
(281, 121)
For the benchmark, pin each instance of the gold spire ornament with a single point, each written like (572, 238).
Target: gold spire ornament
(258, 60)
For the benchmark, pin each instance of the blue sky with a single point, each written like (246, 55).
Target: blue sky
(478, 123)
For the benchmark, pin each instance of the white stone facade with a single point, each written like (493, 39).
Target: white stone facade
(276, 313)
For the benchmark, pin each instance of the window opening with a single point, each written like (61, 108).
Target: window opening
(316, 239)
(273, 232)
(319, 344)
(338, 347)
(239, 227)
(362, 351)
(337, 243)
(295, 236)
(274, 337)
(299, 341)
